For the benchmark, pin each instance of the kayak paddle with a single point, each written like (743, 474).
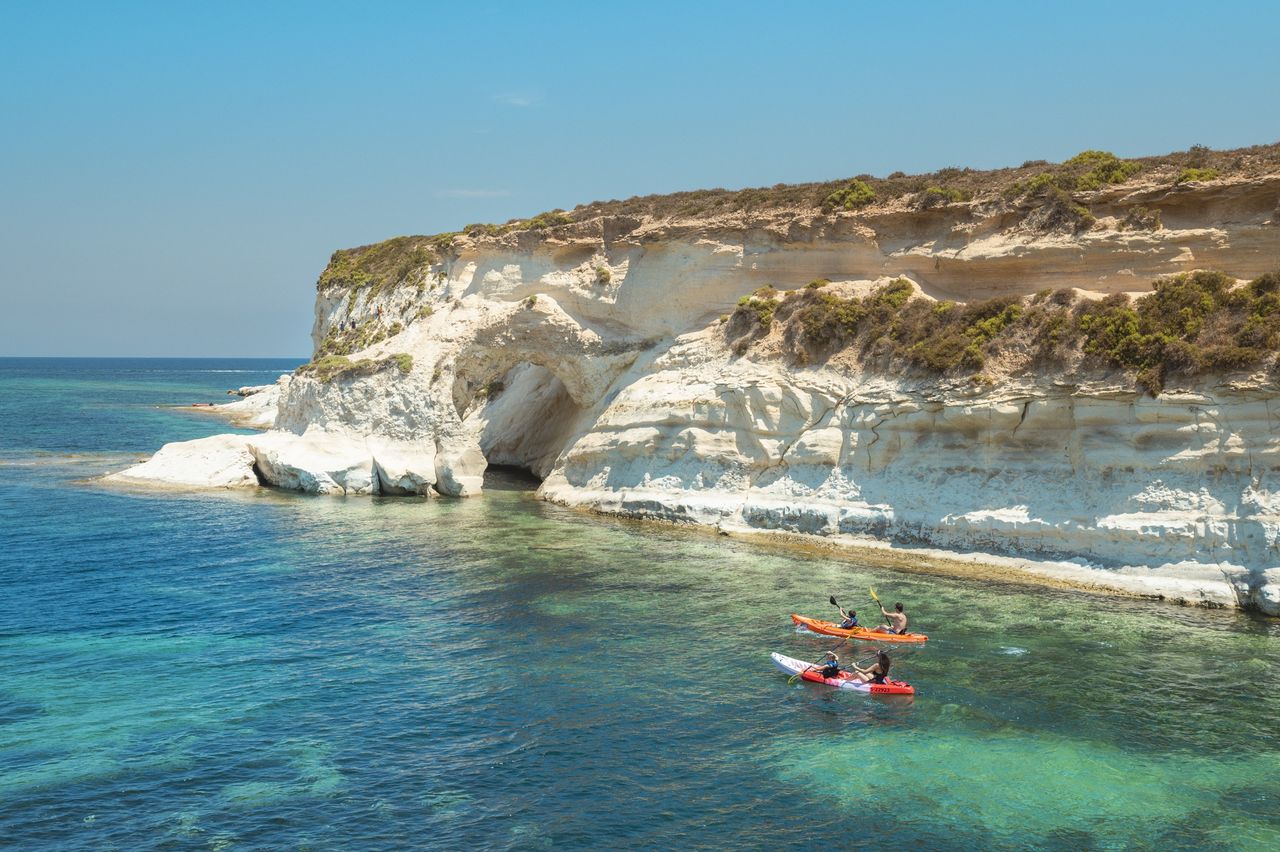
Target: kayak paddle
(875, 597)
(877, 600)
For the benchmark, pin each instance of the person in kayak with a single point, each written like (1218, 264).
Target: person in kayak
(897, 620)
(850, 619)
(876, 672)
(828, 666)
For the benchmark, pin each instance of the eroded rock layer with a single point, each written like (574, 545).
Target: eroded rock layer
(595, 355)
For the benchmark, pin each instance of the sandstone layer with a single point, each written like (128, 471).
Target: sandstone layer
(594, 354)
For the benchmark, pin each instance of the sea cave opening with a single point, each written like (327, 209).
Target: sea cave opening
(522, 417)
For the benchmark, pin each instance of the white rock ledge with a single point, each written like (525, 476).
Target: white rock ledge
(220, 461)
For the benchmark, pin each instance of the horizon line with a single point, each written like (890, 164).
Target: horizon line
(202, 357)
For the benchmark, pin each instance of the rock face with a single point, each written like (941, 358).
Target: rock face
(594, 356)
(256, 409)
(220, 461)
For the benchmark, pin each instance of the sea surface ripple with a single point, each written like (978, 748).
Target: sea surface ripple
(267, 670)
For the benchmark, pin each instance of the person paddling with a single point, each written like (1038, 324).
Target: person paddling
(830, 665)
(876, 672)
(897, 620)
(850, 619)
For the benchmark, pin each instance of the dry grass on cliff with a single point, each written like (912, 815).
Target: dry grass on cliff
(1087, 171)
(1037, 196)
(1190, 325)
(329, 368)
(395, 262)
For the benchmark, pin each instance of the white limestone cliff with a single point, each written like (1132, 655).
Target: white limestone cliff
(594, 356)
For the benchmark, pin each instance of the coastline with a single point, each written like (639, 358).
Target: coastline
(1208, 585)
(742, 368)
(1184, 584)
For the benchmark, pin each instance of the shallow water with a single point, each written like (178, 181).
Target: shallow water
(270, 670)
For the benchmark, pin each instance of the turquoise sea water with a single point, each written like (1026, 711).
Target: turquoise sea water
(267, 670)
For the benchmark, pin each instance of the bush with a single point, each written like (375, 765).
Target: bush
(340, 341)
(1112, 329)
(327, 367)
(759, 306)
(1188, 325)
(550, 219)
(603, 275)
(937, 196)
(1057, 211)
(857, 193)
(1100, 168)
(821, 322)
(943, 336)
(1142, 218)
(988, 319)
(425, 311)
(1193, 174)
(332, 367)
(401, 260)
(892, 295)
(1085, 172)
(1192, 323)
(826, 321)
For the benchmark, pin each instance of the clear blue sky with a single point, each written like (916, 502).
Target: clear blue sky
(173, 176)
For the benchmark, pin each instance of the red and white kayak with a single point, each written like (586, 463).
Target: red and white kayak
(845, 680)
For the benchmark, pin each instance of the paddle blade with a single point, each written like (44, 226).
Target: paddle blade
(873, 595)
(833, 601)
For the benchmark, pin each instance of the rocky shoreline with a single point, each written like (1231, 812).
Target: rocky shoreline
(608, 356)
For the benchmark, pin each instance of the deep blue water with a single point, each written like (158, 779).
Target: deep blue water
(267, 670)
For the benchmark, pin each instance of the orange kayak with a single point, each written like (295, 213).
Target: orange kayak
(829, 629)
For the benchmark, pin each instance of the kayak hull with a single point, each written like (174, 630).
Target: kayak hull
(792, 666)
(827, 628)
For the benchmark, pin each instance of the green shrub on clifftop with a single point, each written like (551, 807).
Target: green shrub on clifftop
(1188, 175)
(856, 194)
(1086, 171)
(937, 196)
(1095, 169)
(385, 264)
